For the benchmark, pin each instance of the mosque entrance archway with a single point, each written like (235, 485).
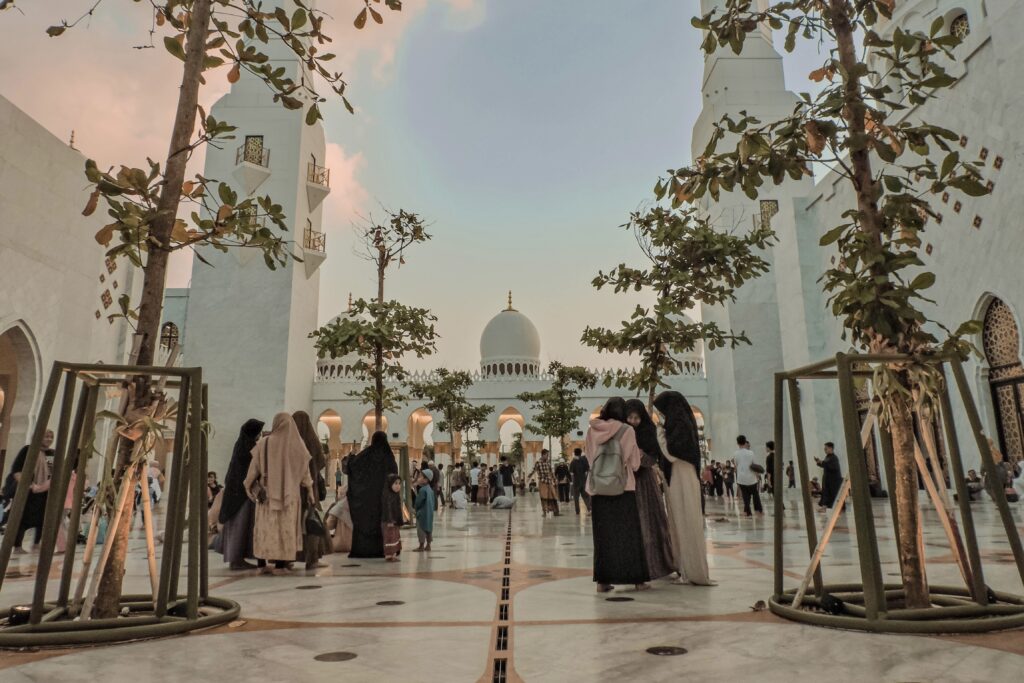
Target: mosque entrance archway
(368, 423)
(20, 370)
(328, 428)
(1001, 342)
(420, 430)
(510, 423)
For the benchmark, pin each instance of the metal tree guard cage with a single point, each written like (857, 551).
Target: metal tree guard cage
(60, 620)
(867, 606)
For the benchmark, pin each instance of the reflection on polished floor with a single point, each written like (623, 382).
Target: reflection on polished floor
(513, 594)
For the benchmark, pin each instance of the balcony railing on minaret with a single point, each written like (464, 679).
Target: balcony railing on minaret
(251, 154)
(314, 240)
(320, 175)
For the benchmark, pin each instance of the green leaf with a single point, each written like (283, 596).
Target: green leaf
(313, 115)
(949, 163)
(832, 235)
(174, 47)
(923, 281)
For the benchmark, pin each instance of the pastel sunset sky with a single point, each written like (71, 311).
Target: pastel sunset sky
(524, 131)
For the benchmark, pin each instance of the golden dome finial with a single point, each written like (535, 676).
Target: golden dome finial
(350, 302)
(510, 301)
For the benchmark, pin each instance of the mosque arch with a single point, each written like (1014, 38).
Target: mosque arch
(329, 425)
(20, 375)
(420, 427)
(368, 423)
(510, 423)
(1001, 341)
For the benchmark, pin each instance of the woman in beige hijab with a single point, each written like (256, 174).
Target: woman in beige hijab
(278, 477)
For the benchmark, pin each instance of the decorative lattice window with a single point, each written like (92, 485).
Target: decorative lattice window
(168, 335)
(106, 298)
(1000, 338)
(769, 207)
(111, 264)
(960, 27)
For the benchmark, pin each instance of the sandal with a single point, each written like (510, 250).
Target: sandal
(605, 588)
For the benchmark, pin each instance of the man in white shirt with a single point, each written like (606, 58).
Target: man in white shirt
(746, 475)
(474, 481)
(459, 499)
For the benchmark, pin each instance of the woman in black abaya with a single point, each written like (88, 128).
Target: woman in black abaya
(649, 502)
(367, 476)
(236, 510)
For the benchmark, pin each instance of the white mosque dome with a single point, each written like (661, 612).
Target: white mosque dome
(510, 345)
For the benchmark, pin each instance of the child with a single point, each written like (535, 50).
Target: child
(424, 505)
(391, 518)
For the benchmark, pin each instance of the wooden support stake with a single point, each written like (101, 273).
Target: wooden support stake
(844, 493)
(147, 519)
(949, 524)
(826, 535)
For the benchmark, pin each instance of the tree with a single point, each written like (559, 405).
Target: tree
(445, 395)
(689, 262)
(382, 333)
(557, 407)
(146, 205)
(864, 127)
(516, 455)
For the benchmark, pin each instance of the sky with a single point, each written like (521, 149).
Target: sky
(523, 132)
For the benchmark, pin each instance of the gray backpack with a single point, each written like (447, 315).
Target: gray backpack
(608, 473)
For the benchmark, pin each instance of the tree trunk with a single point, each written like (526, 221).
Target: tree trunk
(378, 354)
(910, 549)
(154, 279)
(911, 540)
(378, 383)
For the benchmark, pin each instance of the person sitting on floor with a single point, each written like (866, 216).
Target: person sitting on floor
(459, 499)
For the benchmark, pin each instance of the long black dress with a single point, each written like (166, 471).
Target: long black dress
(649, 502)
(237, 512)
(367, 476)
(831, 480)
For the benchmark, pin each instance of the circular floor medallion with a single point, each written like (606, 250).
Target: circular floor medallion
(310, 587)
(666, 651)
(436, 557)
(335, 656)
(578, 555)
(390, 603)
(347, 566)
(620, 598)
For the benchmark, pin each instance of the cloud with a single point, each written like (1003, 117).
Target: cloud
(348, 198)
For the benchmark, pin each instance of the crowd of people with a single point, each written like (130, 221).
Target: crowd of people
(640, 477)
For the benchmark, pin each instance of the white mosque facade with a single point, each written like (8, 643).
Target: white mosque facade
(57, 294)
(510, 364)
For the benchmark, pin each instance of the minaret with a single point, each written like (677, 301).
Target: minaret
(247, 326)
(740, 381)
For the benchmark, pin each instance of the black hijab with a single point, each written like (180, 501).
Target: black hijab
(234, 481)
(680, 427)
(614, 409)
(647, 436)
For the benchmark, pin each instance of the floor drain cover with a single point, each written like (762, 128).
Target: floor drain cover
(335, 656)
(390, 603)
(619, 599)
(436, 557)
(351, 565)
(578, 555)
(307, 588)
(666, 651)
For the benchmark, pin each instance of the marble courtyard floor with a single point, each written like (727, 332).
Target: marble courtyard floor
(451, 615)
